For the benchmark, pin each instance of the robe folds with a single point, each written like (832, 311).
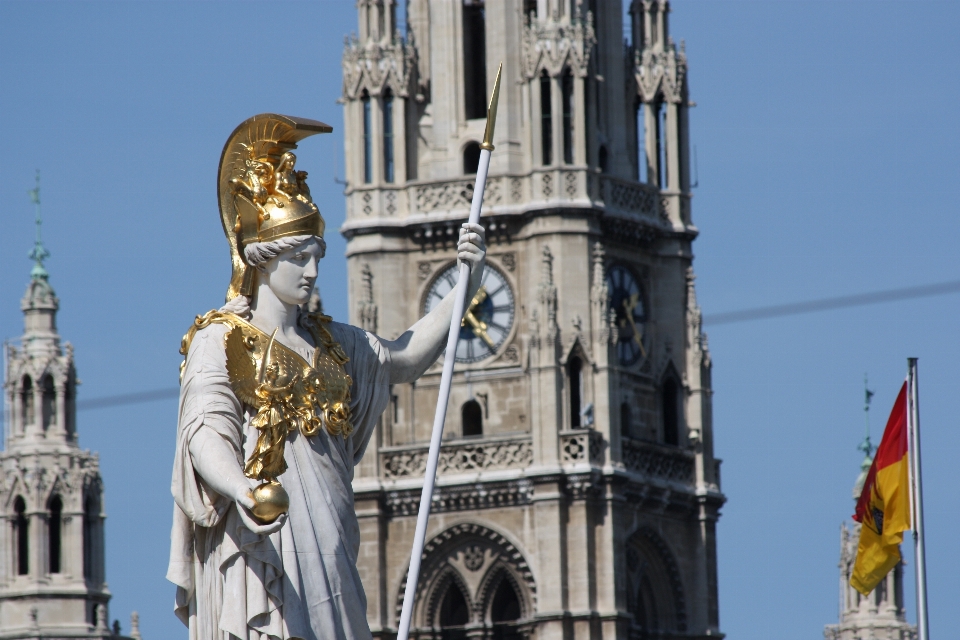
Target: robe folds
(302, 581)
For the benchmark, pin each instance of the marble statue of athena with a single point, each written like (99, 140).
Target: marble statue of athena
(277, 405)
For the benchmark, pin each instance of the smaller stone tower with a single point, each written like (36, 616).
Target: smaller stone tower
(879, 615)
(52, 582)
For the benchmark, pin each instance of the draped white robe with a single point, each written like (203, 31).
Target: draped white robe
(302, 581)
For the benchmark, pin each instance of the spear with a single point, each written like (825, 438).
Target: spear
(459, 301)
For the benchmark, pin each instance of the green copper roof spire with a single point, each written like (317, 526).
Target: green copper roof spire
(39, 253)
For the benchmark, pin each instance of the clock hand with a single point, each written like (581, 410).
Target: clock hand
(479, 327)
(629, 306)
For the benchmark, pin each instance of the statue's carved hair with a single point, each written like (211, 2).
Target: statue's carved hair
(260, 253)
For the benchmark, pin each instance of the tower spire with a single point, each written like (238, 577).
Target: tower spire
(39, 253)
(866, 445)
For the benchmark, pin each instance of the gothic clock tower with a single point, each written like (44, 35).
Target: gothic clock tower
(578, 492)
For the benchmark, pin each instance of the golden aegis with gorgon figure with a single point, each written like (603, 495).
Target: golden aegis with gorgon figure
(264, 198)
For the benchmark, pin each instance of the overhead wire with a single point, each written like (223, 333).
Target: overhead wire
(713, 319)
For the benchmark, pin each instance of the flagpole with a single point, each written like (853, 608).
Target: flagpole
(916, 499)
(446, 377)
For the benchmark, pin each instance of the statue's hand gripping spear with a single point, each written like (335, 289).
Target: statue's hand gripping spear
(459, 302)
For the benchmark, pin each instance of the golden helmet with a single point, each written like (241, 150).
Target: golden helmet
(262, 195)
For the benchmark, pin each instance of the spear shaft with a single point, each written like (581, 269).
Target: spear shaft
(459, 302)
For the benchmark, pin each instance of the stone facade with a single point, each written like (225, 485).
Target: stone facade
(578, 492)
(52, 580)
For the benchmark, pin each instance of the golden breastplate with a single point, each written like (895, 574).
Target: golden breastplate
(287, 391)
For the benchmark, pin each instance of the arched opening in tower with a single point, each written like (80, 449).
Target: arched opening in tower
(54, 528)
(22, 528)
(671, 417)
(575, 375)
(388, 136)
(367, 140)
(626, 419)
(504, 612)
(26, 403)
(471, 158)
(474, 59)
(566, 90)
(49, 403)
(454, 614)
(546, 120)
(472, 417)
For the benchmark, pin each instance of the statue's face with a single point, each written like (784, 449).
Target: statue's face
(292, 274)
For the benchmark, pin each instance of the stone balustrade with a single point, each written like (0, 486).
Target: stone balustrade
(438, 200)
(658, 461)
(462, 456)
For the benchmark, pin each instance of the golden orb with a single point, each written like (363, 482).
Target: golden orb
(272, 501)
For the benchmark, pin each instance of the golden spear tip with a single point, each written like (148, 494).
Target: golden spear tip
(492, 113)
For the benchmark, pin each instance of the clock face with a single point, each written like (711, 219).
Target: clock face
(489, 315)
(626, 299)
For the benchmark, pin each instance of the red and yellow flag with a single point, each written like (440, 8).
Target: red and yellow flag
(883, 509)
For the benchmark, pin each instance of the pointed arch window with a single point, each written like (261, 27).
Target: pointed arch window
(504, 612)
(26, 402)
(54, 531)
(454, 614)
(671, 411)
(388, 136)
(626, 419)
(566, 91)
(89, 535)
(49, 402)
(474, 59)
(21, 532)
(642, 160)
(546, 120)
(662, 145)
(367, 140)
(575, 375)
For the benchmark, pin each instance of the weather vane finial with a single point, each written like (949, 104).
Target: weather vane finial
(866, 446)
(39, 253)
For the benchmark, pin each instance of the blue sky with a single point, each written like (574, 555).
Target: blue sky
(827, 146)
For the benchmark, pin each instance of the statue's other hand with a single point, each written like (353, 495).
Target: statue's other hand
(245, 503)
(472, 249)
